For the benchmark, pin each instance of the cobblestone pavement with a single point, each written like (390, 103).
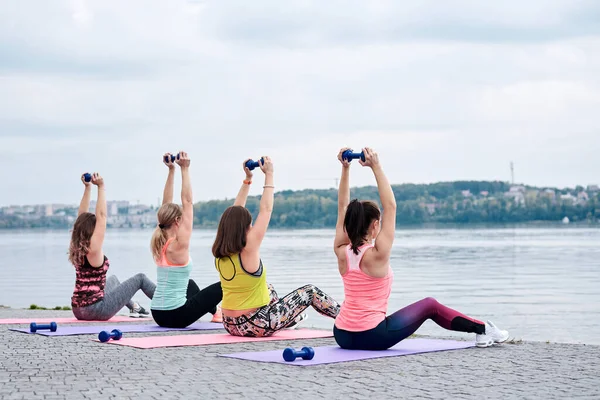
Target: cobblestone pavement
(75, 367)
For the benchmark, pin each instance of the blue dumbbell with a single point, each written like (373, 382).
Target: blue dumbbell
(307, 353)
(173, 158)
(87, 177)
(115, 334)
(251, 164)
(348, 155)
(33, 327)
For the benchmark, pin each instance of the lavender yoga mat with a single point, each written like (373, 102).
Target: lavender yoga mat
(95, 329)
(334, 354)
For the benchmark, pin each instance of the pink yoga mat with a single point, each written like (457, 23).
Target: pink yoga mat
(38, 320)
(334, 354)
(153, 342)
(95, 329)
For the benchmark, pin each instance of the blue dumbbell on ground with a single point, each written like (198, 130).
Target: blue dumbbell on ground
(115, 334)
(87, 177)
(349, 155)
(173, 158)
(307, 353)
(251, 164)
(33, 327)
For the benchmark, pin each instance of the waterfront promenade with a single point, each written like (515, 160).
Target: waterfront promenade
(75, 367)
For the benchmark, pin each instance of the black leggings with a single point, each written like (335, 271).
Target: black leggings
(199, 302)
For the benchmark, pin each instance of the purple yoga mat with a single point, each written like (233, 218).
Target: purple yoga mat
(334, 354)
(96, 329)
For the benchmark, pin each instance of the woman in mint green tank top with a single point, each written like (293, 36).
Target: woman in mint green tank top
(178, 301)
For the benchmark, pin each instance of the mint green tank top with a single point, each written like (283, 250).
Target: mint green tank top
(171, 284)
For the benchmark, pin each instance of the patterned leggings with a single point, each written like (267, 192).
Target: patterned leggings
(280, 313)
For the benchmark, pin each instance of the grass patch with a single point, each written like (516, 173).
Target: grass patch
(36, 307)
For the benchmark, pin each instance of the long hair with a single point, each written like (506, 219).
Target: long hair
(232, 230)
(83, 229)
(357, 220)
(167, 214)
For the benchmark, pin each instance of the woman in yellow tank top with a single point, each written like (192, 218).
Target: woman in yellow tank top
(250, 306)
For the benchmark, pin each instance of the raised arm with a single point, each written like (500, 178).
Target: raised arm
(84, 206)
(187, 203)
(95, 255)
(258, 231)
(341, 238)
(242, 195)
(168, 192)
(385, 239)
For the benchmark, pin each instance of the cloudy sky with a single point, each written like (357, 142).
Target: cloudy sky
(442, 91)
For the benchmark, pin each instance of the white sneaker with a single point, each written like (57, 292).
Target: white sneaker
(492, 335)
(138, 311)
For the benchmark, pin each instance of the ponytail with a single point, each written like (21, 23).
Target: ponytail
(167, 215)
(158, 241)
(359, 216)
(354, 224)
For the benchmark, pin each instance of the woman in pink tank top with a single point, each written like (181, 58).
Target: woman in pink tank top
(363, 245)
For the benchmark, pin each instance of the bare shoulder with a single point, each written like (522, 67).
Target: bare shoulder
(177, 253)
(250, 259)
(340, 253)
(374, 263)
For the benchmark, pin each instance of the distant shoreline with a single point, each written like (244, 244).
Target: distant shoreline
(399, 227)
(441, 205)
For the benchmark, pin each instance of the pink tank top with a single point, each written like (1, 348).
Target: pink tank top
(365, 297)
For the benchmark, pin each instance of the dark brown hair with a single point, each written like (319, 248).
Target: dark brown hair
(83, 229)
(231, 234)
(357, 220)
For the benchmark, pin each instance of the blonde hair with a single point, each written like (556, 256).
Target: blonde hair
(167, 214)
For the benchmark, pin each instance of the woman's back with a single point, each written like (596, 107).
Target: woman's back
(365, 297)
(242, 290)
(171, 282)
(89, 283)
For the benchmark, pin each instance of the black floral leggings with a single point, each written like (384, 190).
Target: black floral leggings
(280, 313)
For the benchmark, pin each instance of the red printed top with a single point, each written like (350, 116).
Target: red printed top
(89, 283)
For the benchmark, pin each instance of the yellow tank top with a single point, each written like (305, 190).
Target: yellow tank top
(241, 290)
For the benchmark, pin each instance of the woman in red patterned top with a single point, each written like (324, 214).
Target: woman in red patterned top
(95, 297)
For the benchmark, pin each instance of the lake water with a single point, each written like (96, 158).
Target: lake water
(539, 283)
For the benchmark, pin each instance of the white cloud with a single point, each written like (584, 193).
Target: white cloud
(82, 15)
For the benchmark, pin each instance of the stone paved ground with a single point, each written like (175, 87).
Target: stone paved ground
(74, 367)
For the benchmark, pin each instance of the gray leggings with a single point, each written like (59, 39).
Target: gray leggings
(116, 296)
